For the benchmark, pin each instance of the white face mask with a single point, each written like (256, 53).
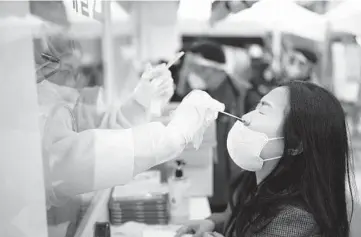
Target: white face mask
(196, 82)
(245, 146)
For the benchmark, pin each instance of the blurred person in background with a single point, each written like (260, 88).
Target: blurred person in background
(204, 67)
(90, 145)
(299, 64)
(261, 81)
(296, 64)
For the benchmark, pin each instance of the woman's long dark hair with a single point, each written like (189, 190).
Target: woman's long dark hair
(315, 179)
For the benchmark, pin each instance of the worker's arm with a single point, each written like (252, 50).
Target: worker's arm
(92, 112)
(98, 159)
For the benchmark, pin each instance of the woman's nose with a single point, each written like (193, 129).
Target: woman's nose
(246, 119)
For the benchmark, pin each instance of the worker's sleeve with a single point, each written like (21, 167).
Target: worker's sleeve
(97, 159)
(92, 112)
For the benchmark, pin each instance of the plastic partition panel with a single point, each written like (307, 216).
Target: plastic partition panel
(22, 205)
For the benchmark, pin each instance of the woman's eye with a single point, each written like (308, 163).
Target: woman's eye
(261, 111)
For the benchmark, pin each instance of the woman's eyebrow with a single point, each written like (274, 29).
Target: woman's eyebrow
(264, 102)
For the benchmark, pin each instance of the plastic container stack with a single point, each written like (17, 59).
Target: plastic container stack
(145, 201)
(86, 200)
(152, 210)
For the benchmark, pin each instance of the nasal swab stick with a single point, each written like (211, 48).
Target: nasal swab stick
(231, 115)
(175, 59)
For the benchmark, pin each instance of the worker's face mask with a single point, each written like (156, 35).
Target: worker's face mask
(209, 80)
(196, 82)
(58, 57)
(297, 66)
(215, 78)
(205, 74)
(64, 72)
(245, 146)
(294, 72)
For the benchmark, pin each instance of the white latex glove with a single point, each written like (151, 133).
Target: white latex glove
(198, 228)
(155, 88)
(212, 234)
(195, 113)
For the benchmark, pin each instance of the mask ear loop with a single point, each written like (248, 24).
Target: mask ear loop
(42, 66)
(277, 157)
(49, 60)
(43, 77)
(275, 138)
(40, 76)
(273, 158)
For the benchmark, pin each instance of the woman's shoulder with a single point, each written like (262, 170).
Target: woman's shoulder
(292, 220)
(295, 211)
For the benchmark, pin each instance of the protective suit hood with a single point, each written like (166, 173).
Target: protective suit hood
(49, 95)
(50, 92)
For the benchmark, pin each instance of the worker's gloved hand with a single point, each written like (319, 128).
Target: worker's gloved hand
(195, 113)
(155, 88)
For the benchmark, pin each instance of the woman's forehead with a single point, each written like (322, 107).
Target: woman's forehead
(278, 97)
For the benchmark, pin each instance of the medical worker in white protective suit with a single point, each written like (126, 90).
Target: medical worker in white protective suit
(110, 148)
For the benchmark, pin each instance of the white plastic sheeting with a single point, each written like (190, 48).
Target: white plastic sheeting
(345, 17)
(194, 16)
(280, 15)
(268, 15)
(264, 16)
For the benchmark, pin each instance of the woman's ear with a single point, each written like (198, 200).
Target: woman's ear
(296, 151)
